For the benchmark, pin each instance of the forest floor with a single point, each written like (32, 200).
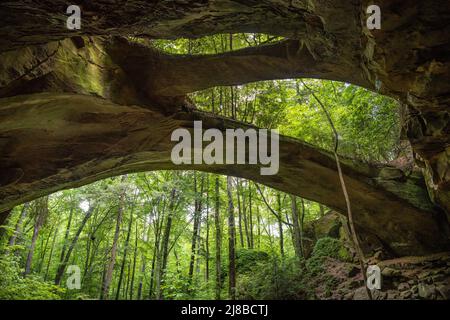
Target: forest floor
(403, 278)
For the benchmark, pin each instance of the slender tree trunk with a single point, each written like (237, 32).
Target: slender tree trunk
(280, 226)
(125, 294)
(207, 232)
(18, 228)
(112, 260)
(155, 284)
(241, 235)
(250, 210)
(194, 233)
(66, 235)
(218, 242)
(86, 279)
(144, 263)
(125, 252)
(153, 270)
(197, 219)
(231, 243)
(244, 216)
(141, 279)
(296, 229)
(220, 100)
(62, 266)
(157, 272)
(42, 213)
(44, 248)
(88, 254)
(51, 253)
(302, 224)
(166, 237)
(258, 222)
(134, 261)
(103, 280)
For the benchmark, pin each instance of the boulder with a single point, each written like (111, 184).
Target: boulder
(328, 226)
(426, 291)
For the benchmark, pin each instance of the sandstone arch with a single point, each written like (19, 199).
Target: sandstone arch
(407, 59)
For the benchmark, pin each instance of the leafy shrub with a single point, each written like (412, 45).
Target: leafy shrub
(330, 247)
(326, 247)
(13, 286)
(176, 286)
(274, 279)
(247, 259)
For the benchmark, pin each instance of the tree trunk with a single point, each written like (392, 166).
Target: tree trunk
(112, 259)
(66, 235)
(63, 264)
(155, 282)
(51, 254)
(153, 276)
(207, 232)
(124, 259)
(231, 243)
(218, 286)
(258, 222)
(166, 237)
(45, 247)
(197, 219)
(245, 218)
(42, 213)
(296, 229)
(250, 210)
(280, 226)
(143, 261)
(302, 224)
(125, 293)
(18, 228)
(241, 234)
(134, 261)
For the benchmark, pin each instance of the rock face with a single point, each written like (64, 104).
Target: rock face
(335, 225)
(409, 278)
(426, 277)
(75, 109)
(330, 225)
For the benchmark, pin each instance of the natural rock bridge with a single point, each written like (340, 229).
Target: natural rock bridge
(75, 110)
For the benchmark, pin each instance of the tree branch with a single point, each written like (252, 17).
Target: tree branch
(277, 215)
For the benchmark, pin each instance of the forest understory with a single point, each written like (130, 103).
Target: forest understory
(92, 205)
(135, 227)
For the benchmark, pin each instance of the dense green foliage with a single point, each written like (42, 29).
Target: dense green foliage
(145, 208)
(14, 286)
(274, 279)
(326, 247)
